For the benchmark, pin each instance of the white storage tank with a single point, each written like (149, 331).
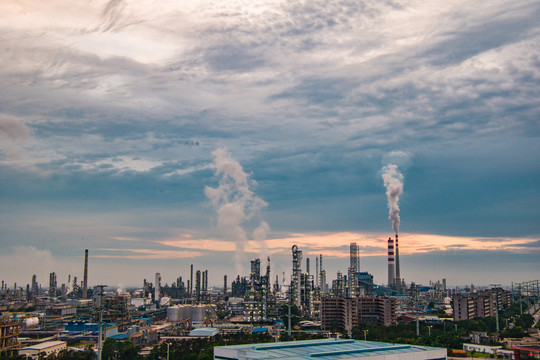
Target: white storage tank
(174, 314)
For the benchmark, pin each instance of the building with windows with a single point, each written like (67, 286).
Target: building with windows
(342, 314)
(480, 304)
(463, 307)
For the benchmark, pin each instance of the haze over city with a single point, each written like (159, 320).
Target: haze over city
(159, 135)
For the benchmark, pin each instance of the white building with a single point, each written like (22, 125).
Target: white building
(45, 348)
(328, 349)
(481, 348)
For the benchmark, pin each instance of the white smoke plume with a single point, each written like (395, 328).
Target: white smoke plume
(393, 181)
(13, 133)
(235, 203)
(259, 235)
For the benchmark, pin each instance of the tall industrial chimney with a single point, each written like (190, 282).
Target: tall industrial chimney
(157, 288)
(354, 251)
(391, 269)
(85, 279)
(398, 275)
(198, 286)
(296, 276)
(191, 286)
(316, 271)
(225, 285)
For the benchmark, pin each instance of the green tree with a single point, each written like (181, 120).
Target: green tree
(119, 350)
(526, 321)
(295, 315)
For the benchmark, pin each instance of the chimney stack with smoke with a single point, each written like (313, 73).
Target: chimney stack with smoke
(85, 279)
(393, 181)
(398, 275)
(391, 269)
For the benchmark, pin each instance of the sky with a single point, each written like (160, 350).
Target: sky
(159, 134)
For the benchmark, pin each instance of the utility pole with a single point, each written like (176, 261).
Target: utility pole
(520, 301)
(100, 333)
(417, 318)
(496, 305)
(289, 320)
(100, 341)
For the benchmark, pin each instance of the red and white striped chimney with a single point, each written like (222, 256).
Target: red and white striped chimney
(398, 275)
(391, 270)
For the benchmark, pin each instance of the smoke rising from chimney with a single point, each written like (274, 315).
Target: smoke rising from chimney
(393, 181)
(13, 133)
(235, 203)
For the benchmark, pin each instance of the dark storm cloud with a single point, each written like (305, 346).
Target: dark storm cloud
(122, 104)
(533, 245)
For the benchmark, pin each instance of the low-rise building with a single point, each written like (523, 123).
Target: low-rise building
(46, 348)
(486, 349)
(327, 349)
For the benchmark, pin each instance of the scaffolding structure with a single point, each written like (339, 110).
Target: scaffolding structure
(9, 334)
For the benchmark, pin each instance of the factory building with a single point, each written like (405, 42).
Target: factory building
(115, 309)
(259, 300)
(295, 287)
(46, 348)
(327, 349)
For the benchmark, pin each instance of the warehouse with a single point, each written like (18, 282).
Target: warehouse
(328, 349)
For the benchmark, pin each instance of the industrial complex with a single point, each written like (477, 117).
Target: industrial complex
(50, 319)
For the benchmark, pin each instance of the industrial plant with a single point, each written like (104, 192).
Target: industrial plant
(42, 319)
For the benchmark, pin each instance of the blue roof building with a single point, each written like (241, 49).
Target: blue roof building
(328, 349)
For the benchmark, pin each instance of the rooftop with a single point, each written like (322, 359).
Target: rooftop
(326, 349)
(204, 332)
(44, 345)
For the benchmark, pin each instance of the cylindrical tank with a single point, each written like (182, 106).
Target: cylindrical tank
(197, 314)
(174, 314)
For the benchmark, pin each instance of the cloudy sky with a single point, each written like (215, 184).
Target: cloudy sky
(159, 134)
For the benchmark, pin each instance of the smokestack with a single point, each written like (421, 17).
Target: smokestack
(157, 287)
(322, 282)
(316, 271)
(391, 269)
(307, 266)
(198, 285)
(398, 275)
(85, 280)
(191, 284)
(354, 257)
(224, 284)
